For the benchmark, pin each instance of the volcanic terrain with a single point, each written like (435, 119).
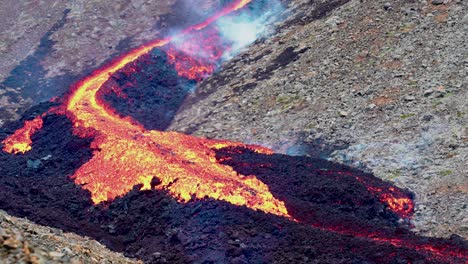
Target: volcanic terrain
(99, 160)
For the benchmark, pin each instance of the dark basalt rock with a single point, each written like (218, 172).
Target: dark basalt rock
(148, 90)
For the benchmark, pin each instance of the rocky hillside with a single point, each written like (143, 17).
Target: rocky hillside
(381, 85)
(24, 242)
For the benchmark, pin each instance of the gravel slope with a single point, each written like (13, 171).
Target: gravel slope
(24, 242)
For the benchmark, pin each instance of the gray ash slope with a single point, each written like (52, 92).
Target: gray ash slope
(22, 241)
(374, 84)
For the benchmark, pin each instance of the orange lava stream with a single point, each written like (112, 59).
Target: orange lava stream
(436, 252)
(127, 155)
(20, 141)
(394, 198)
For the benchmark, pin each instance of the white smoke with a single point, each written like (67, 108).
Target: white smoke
(245, 28)
(237, 31)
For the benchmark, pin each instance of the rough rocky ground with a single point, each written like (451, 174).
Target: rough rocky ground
(379, 85)
(24, 242)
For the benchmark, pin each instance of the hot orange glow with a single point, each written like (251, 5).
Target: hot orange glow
(20, 141)
(188, 67)
(195, 56)
(404, 206)
(399, 203)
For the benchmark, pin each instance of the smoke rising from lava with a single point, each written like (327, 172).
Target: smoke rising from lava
(245, 28)
(233, 32)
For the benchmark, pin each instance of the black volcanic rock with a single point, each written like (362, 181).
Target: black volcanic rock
(148, 90)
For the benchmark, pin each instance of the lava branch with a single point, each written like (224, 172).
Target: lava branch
(20, 141)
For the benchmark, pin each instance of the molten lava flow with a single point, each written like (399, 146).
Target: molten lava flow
(402, 206)
(20, 141)
(127, 155)
(397, 201)
(197, 55)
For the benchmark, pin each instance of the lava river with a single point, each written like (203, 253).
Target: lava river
(127, 155)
